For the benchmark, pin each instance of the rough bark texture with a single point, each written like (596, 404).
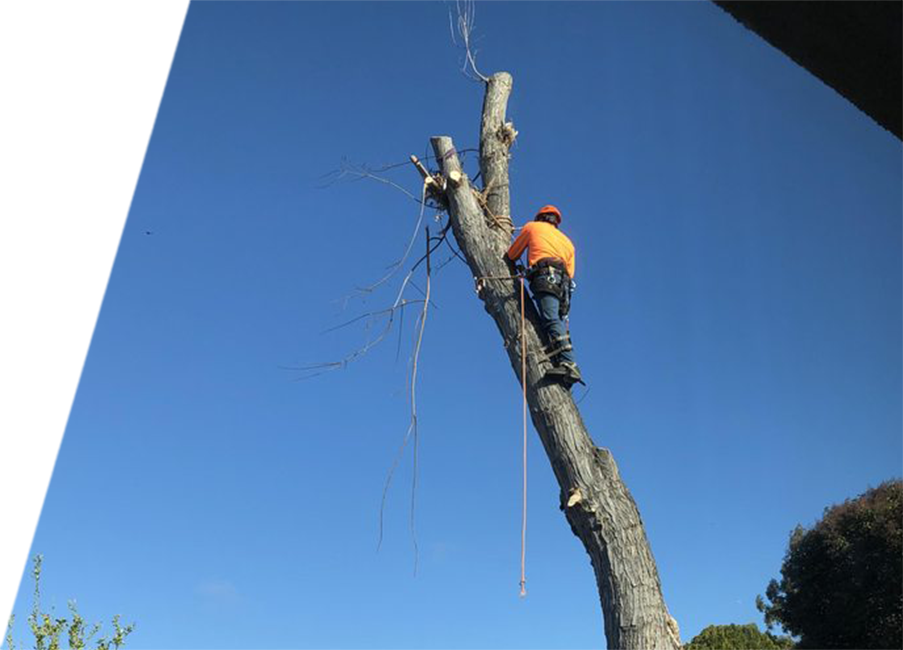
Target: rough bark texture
(602, 512)
(854, 47)
(496, 137)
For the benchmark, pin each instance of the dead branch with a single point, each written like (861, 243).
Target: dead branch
(351, 173)
(373, 317)
(432, 196)
(399, 303)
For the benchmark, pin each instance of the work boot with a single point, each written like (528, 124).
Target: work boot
(567, 372)
(557, 371)
(573, 376)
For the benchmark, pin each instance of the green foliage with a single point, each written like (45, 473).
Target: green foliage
(737, 637)
(48, 631)
(842, 581)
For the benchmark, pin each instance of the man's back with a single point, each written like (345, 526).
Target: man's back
(543, 240)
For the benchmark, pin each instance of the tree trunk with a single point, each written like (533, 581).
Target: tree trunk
(597, 504)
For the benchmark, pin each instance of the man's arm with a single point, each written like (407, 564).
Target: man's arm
(520, 244)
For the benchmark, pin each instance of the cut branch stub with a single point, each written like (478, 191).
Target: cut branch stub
(434, 184)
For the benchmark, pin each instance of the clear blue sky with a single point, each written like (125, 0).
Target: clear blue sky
(738, 320)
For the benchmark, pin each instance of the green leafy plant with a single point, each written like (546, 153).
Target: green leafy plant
(842, 580)
(737, 637)
(48, 630)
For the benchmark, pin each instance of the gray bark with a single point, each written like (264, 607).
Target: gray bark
(496, 138)
(596, 503)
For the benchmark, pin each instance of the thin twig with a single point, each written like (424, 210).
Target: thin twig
(372, 314)
(397, 265)
(399, 301)
(400, 330)
(438, 239)
(356, 173)
(456, 252)
(320, 368)
(466, 11)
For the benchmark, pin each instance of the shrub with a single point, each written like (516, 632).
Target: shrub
(737, 637)
(47, 630)
(842, 580)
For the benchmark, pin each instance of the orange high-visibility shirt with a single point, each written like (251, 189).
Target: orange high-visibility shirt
(543, 240)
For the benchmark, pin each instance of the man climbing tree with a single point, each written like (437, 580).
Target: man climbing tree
(594, 499)
(597, 504)
(550, 261)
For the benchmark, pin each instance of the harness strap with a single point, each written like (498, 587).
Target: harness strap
(567, 347)
(548, 262)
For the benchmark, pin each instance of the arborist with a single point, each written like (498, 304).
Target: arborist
(550, 271)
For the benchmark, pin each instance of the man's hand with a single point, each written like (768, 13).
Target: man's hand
(519, 268)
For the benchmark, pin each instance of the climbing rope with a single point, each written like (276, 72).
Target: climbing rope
(523, 380)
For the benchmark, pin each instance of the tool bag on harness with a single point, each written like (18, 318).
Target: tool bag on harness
(549, 275)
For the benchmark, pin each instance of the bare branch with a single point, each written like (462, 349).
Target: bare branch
(455, 251)
(400, 330)
(351, 172)
(399, 302)
(424, 202)
(371, 314)
(374, 317)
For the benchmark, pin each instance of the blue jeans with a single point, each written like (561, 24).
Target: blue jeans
(554, 327)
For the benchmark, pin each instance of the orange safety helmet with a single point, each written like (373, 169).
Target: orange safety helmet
(548, 209)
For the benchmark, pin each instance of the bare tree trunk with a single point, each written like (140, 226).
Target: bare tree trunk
(595, 501)
(496, 138)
